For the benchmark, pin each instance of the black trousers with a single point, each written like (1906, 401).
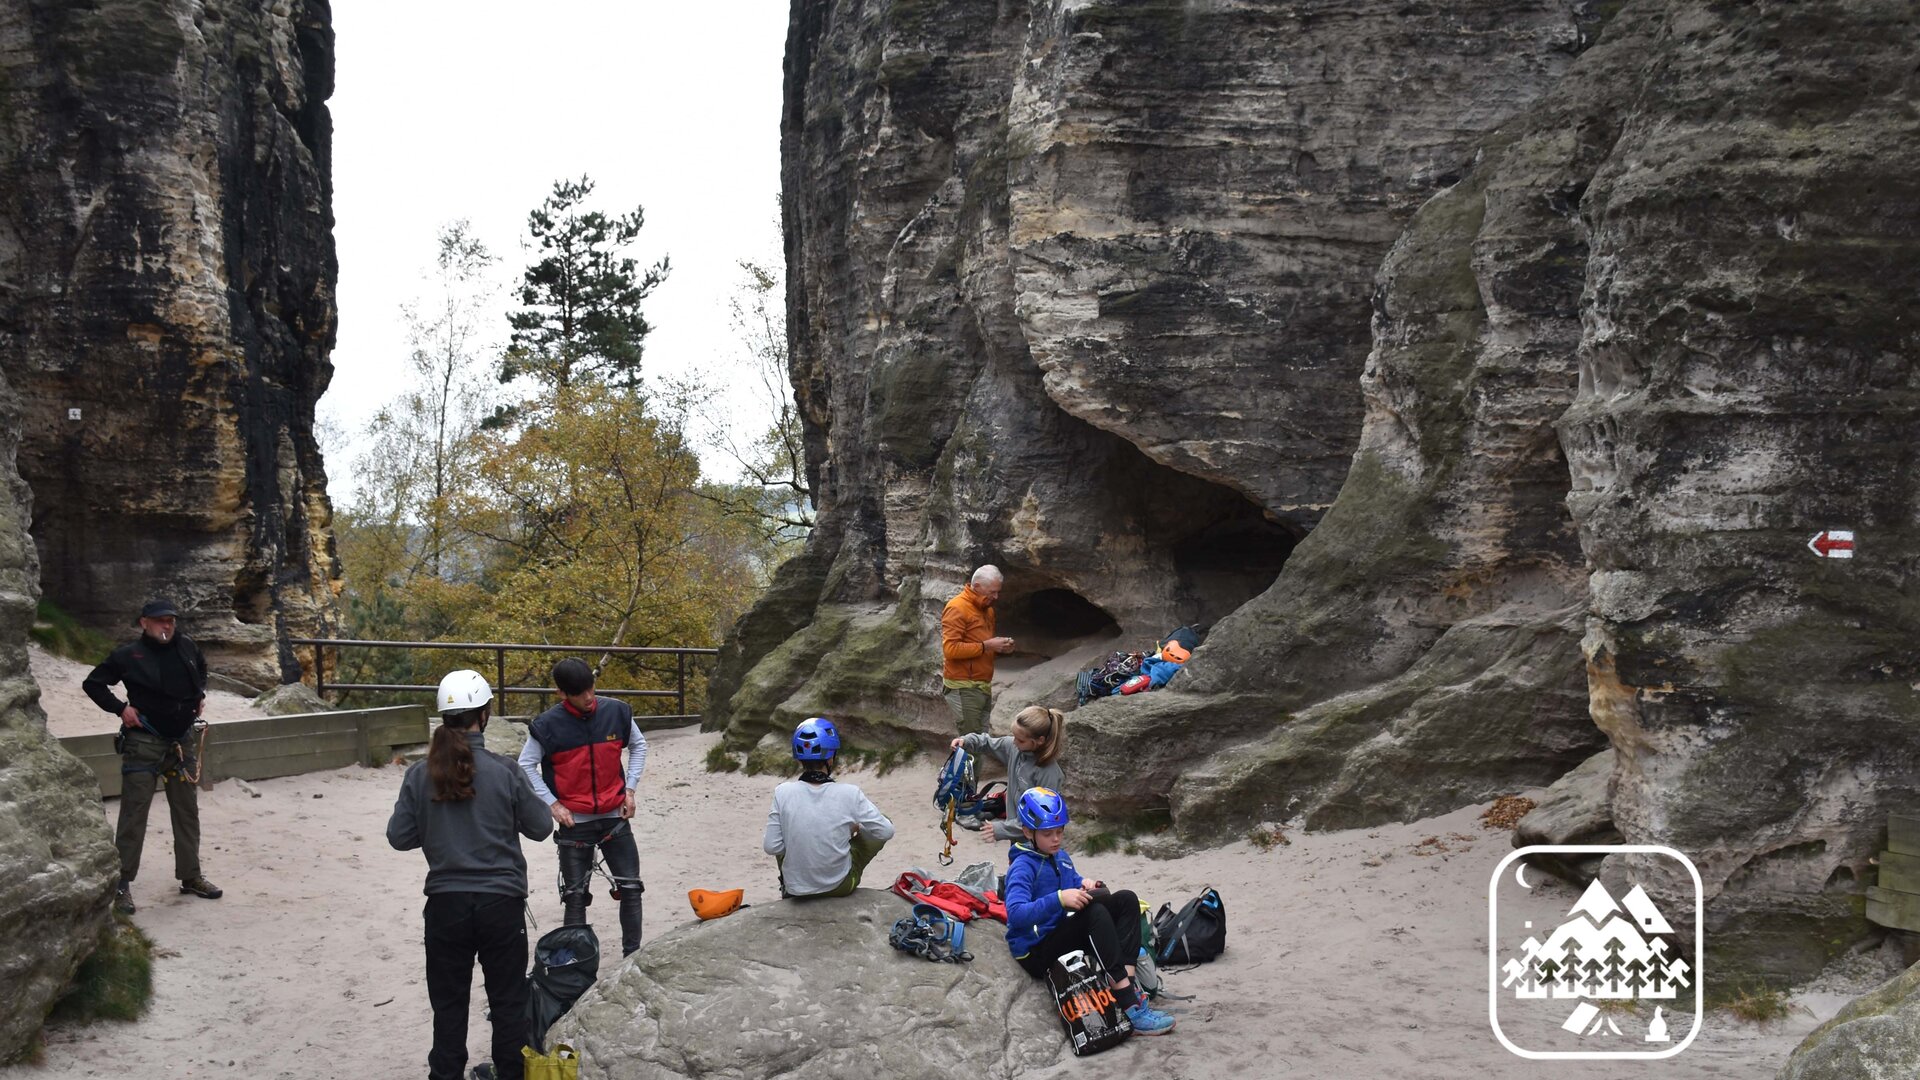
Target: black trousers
(614, 839)
(492, 927)
(1109, 924)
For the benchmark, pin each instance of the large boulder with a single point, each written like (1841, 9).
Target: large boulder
(1574, 810)
(57, 862)
(810, 990)
(1875, 1035)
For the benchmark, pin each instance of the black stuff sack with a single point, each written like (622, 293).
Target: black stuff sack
(1087, 1008)
(565, 963)
(1194, 934)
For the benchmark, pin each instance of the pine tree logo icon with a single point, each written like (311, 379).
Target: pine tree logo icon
(1604, 950)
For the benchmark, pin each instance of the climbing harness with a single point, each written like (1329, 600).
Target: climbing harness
(931, 935)
(954, 787)
(176, 769)
(599, 865)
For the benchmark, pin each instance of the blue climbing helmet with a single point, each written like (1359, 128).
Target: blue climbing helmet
(1042, 808)
(816, 739)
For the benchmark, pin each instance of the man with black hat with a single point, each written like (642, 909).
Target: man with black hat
(166, 680)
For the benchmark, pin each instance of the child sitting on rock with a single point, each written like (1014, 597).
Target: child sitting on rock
(1052, 910)
(1031, 755)
(822, 833)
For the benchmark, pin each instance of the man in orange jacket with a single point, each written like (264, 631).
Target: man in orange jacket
(967, 648)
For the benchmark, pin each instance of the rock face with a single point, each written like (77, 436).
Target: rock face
(166, 311)
(1083, 289)
(809, 989)
(1749, 376)
(1877, 1034)
(57, 863)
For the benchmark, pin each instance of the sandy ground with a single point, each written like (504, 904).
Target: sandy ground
(71, 712)
(1351, 954)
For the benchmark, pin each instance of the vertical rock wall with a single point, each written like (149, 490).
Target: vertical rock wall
(166, 276)
(1750, 376)
(57, 862)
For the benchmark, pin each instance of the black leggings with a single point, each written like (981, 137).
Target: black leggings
(1109, 925)
(462, 927)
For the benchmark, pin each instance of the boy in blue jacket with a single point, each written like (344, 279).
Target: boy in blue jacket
(1052, 910)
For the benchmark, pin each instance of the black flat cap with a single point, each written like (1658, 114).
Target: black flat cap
(158, 609)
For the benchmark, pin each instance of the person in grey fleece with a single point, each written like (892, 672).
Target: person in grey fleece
(822, 833)
(1031, 755)
(466, 809)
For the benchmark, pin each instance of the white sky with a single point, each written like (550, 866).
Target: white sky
(471, 110)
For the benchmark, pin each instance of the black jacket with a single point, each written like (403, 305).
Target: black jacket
(169, 699)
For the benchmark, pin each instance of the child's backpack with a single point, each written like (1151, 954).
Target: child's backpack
(1194, 934)
(565, 963)
(930, 934)
(1083, 994)
(1102, 681)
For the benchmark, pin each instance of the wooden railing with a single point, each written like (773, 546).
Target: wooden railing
(272, 746)
(500, 650)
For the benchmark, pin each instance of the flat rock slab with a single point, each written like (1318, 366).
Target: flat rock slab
(801, 989)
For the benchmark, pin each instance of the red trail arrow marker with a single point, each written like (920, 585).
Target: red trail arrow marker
(1832, 544)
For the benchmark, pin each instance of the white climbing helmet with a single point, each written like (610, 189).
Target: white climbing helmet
(462, 690)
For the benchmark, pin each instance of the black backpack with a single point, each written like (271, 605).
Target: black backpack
(1194, 934)
(1083, 995)
(1102, 681)
(565, 963)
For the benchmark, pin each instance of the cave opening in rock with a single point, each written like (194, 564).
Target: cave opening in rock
(1227, 562)
(1046, 619)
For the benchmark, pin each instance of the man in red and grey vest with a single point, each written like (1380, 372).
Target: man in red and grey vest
(572, 759)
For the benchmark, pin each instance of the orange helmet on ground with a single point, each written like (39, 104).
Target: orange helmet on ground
(712, 905)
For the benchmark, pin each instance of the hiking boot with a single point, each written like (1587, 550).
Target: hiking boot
(123, 899)
(201, 887)
(1146, 1020)
(483, 1071)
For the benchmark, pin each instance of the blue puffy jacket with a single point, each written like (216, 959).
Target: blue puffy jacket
(1034, 882)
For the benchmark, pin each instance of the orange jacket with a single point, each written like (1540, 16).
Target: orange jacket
(966, 623)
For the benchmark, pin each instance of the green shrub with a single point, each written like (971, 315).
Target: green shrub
(58, 633)
(115, 983)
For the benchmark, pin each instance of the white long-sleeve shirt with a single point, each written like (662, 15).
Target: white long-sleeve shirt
(810, 827)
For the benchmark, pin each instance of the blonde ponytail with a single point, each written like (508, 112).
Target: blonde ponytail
(1048, 727)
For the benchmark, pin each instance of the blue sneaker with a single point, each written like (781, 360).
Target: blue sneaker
(1146, 1020)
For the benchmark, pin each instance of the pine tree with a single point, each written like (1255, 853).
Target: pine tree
(580, 302)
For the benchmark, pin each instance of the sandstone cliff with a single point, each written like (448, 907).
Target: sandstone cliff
(57, 862)
(1120, 296)
(166, 310)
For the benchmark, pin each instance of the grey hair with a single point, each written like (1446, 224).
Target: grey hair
(988, 575)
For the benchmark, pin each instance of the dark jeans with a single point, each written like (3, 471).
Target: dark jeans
(460, 927)
(140, 767)
(614, 839)
(1109, 925)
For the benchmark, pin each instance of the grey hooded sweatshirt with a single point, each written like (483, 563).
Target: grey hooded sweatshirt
(472, 845)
